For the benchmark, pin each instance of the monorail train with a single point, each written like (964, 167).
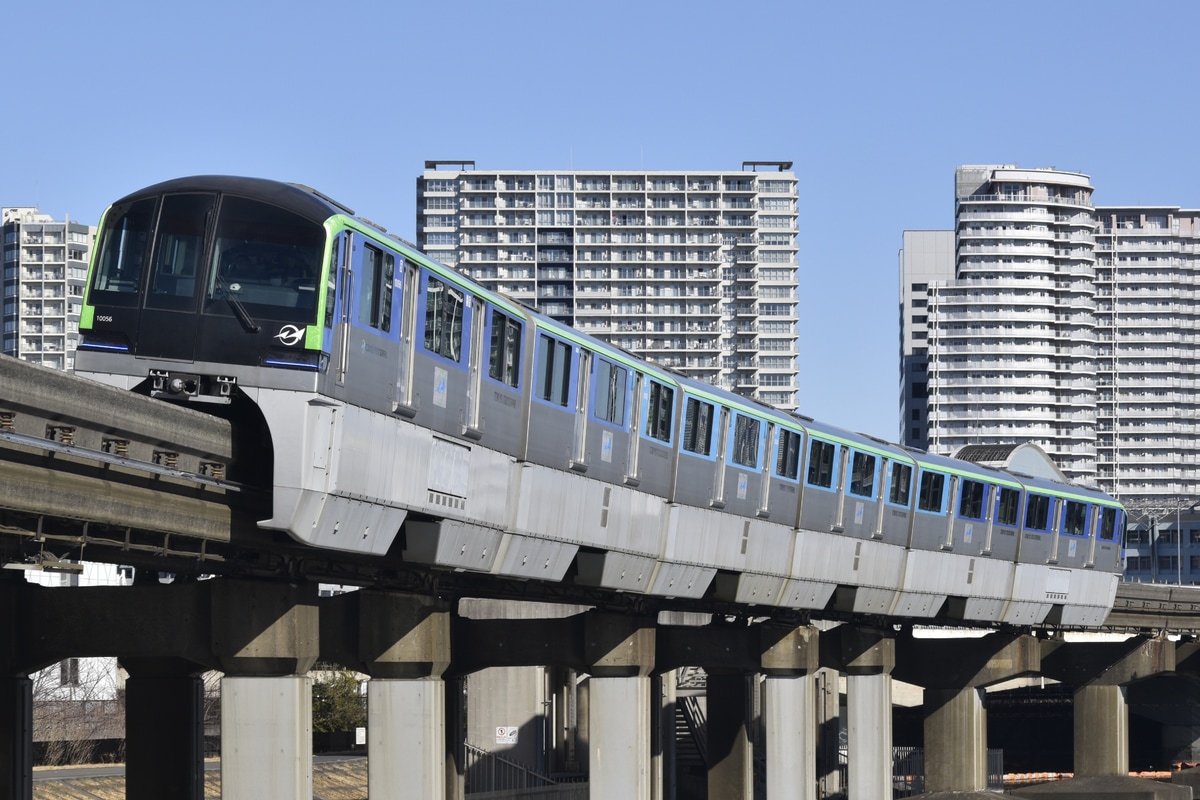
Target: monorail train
(407, 404)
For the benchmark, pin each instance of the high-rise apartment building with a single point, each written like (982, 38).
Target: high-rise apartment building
(44, 270)
(693, 269)
(1043, 318)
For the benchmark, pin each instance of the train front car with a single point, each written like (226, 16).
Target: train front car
(221, 291)
(203, 284)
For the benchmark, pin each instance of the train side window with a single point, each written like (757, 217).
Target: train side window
(1075, 518)
(658, 411)
(123, 248)
(745, 441)
(787, 461)
(697, 426)
(929, 493)
(443, 319)
(970, 498)
(612, 382)
(504, 365)
(820, 463)
(1037, 512)
(375, 288)
(1108, 524)
(862, 474)
(331, 303)
(901, 484)
(553, 370)
(1007, 505)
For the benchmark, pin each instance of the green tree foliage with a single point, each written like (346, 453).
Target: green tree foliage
(337, 704)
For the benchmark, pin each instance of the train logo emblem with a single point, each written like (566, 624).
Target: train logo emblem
(290, 334)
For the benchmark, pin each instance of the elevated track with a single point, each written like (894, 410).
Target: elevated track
(91, 472)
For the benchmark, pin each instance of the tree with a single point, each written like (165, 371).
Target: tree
(337, 702)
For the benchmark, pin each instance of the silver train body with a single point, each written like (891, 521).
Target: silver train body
(417, 412)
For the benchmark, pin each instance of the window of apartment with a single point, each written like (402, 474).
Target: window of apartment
(1139, 563)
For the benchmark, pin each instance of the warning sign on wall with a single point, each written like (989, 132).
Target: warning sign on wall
(506, 735)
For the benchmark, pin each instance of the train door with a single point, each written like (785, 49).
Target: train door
(406, 283)
(167, 323)
(471, 425)
(718, 494)
(341, 330)
(582, 396)
(631, 465)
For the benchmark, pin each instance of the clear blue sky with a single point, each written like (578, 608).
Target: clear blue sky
(876, 103)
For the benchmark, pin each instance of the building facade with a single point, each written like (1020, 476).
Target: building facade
(44, 270)
(695, 270)
(1046, 319)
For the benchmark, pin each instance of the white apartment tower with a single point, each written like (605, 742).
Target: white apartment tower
(1011, 334)
(1042, 318)
(693, 269)
(44, 270)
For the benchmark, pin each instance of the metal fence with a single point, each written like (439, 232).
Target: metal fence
(493, 777)
(908, 770)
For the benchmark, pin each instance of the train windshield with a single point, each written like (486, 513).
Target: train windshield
(255, 261)
(265, 262)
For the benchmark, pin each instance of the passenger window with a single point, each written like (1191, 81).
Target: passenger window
(929, 495)
(1037, 512)
(901, 484)
(505, 362)
(787, 462)
(553, 370)
(443, 319)
(1075, 519)
(820, 463)
(745, 441)
(375, 288)
(1108, 524)
(697, 426)
(658, 416)
(970, 499)
(611, 382)
(862, 474)
(1007, 505)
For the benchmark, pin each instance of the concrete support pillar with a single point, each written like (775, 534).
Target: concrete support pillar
(954, 673)
(1101, 719)
(829, 732)
(790, 709)
(403, 643)
(620, 651)
(164, 732)
(16, 737)
(619, 737)
(955, 740)
(265, 637)
(455, 729)
(730, 757)
(867, 656)
(790, 658)
(869, 735)
(266, 738)
(406, 740)
(666, 688)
